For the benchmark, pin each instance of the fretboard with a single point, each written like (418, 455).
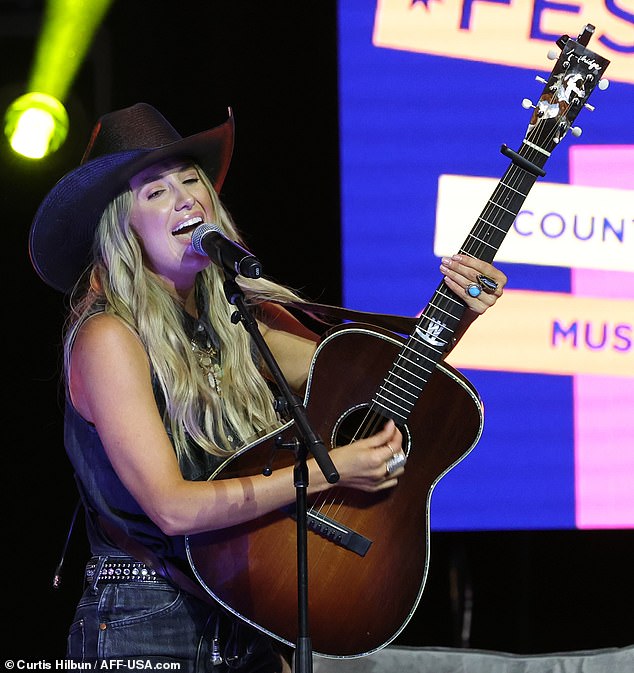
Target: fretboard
(438, 323)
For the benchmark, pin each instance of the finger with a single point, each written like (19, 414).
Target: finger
(469, 285)
(378, 486)
(395, 464)
(389, 433)
(487, 283)
(461, 274)
(473, 270)
(477, 304)
(382, 435)
(387, 483)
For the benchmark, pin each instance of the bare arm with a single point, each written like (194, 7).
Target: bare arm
(291, 344)
(111, 387)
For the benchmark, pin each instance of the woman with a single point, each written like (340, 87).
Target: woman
(162, 386)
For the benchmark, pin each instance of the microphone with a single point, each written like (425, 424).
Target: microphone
(208, 239)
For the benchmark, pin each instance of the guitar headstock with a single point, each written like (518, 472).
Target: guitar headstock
(577, 72)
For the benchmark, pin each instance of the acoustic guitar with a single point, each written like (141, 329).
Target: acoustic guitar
(368, 554)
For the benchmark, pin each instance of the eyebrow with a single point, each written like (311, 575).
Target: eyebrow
(182, 168)
(151, 178)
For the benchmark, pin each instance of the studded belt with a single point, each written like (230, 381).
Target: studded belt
(119, 569)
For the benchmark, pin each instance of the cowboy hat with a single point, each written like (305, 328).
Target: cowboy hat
(122, 143)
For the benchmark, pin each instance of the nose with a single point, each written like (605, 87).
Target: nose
(184, 199)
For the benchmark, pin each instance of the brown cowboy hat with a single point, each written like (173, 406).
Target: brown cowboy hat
(122, 143)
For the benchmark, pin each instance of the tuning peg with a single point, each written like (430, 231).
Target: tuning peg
(589, 107)
(541, 79)
(527, 104)
(603, 84)
(552, 55)
(576, 131)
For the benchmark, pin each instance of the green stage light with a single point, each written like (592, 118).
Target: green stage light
(40, 119)
(36, 124)
(67, 32)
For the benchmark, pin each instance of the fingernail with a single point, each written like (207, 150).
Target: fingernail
(446, 261)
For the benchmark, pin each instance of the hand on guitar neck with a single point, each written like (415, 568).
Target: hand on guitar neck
(476, 282)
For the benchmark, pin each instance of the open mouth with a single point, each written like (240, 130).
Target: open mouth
(187, 227)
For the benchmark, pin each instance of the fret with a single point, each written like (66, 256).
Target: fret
(392, 391)
(445, 293)
(394, 375)
(407, 347)
(391, 408)
(392, 396)
(494, 247)
(448, 297)
(409, 371)
(490, 224)
(497, 205)
(445, 307)
(522, 194)
(425, 345)
(422, 375)
(390, 413)
(438, 308)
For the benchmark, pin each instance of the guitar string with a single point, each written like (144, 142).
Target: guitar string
(490, 218)
(512, 179)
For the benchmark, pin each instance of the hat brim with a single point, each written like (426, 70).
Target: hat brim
(63, 229)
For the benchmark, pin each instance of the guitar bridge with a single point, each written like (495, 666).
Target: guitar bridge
(335, 532)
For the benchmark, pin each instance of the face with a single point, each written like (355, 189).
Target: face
(169, 202)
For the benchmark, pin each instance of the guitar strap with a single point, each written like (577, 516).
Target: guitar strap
(162, 567)
(395, 323)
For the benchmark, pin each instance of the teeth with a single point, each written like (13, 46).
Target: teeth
(186, 225)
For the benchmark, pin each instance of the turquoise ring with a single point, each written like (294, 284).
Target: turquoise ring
(473, 290)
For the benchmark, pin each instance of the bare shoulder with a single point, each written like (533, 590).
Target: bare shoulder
(106, 336)
(105, 344)
(105, 328)
(107, 358)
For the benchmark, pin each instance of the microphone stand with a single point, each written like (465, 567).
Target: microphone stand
(308, 441)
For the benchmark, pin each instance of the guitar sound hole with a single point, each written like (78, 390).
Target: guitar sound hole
(359, 423)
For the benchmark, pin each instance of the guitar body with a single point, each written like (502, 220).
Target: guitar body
(362, 591)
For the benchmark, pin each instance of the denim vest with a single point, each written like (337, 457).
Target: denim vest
(104, 494)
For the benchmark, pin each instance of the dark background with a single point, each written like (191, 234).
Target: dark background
(275, 63)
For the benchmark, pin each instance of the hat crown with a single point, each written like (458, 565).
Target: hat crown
(122, 143)
(139, 127)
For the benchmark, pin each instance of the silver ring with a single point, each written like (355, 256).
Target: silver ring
(394, 463)
(473, 290)
(487, 284)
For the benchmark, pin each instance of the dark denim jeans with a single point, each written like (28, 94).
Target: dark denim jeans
(152, 625)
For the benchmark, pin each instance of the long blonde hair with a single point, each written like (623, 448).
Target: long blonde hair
(125, 287)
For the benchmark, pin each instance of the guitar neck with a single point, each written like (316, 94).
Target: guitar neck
(439, 321)
(500, 211)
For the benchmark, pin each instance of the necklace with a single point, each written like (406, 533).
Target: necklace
(208, 361)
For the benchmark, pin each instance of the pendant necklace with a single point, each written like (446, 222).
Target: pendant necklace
(208, 361)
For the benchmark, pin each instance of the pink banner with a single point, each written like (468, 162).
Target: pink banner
(603, 406)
